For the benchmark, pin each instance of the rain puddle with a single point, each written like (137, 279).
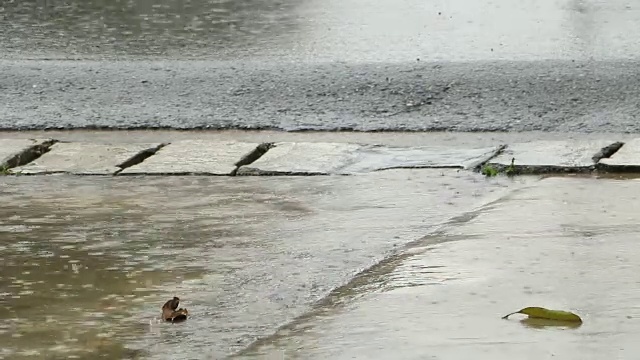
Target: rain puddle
(87, 262)
(140, 27)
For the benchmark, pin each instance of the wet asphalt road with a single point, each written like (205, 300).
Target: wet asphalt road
(568, 65)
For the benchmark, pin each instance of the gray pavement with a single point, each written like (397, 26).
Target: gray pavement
(397, 65)
(85, 158)
(256, 155)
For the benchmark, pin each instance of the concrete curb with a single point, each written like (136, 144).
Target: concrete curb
(243, 158)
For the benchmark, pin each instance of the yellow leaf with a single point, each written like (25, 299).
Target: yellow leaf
(542, 313)
(545, 323)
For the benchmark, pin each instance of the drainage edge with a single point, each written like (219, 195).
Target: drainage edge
(139, 157)
(29, 154)
(607, 151)
(252, 156)
(497, 152)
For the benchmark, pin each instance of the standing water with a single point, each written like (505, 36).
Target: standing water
(87, 262)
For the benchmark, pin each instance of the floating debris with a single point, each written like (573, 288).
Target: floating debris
(170, 311)
(542, 313)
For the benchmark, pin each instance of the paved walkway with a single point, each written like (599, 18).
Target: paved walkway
(230, 157)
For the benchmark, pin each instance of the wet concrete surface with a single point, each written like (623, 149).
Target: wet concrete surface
(539, 157)
(562, 243)
(487, 66)
(84, 158)
(314, 158)
(233, 153)
(195, 157)
(88, 261)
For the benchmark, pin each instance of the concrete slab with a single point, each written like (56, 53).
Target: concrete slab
(375, 158)
(195, 157)
(84, 158)
(343, 158)
(628, 157)
(548, 156)
(11, 148)
(292, 158)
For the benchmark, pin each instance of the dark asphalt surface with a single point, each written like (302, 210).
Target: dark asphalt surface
(568, 65)
(513, 96)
